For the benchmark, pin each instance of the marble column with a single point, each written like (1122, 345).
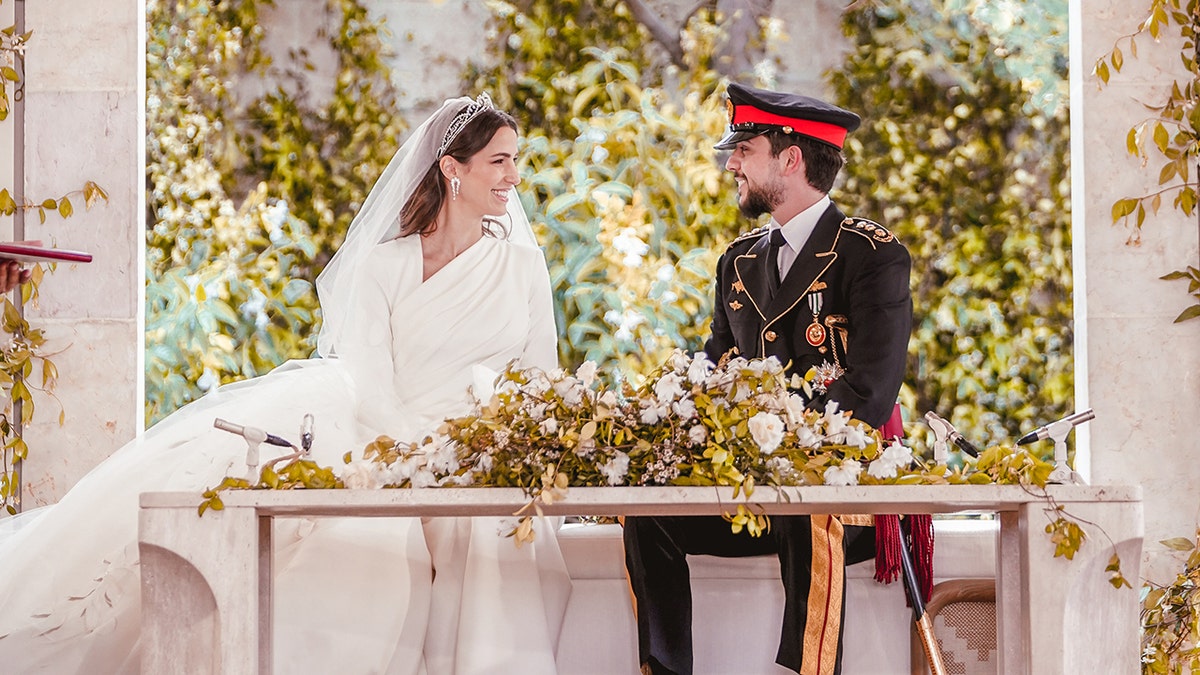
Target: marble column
(1137, 369)
(82, 123)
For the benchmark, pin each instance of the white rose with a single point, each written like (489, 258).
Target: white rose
(767, 431)
(806, 437)
(615, 469)
(651, 414)
(360, 475)
(699, 369)
(586, 373)
(440, 457)
(423, 478)
(668, 388)
(834, 421)
(897, 454)
(846, 474)
(484, 463)
(698, 435)
(881, 468)
(794, 404)
(856, 436)
(549, 426)
(679, 361)
(538, 383)
(685, 409)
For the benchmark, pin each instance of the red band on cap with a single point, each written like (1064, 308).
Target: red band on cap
(824, 131)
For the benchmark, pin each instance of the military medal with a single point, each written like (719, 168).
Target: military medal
(815, 334)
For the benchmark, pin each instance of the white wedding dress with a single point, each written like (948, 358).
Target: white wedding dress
(439, 597)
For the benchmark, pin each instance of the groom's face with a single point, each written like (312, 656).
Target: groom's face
(759, 184)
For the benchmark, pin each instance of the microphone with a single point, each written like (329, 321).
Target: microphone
(251, 434)
(306, 433)
(943, 430)
(1043, 432)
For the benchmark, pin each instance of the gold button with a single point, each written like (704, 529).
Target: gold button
(770, 336)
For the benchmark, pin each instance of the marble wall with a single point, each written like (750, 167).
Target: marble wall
(1137, 369)
(82, 123)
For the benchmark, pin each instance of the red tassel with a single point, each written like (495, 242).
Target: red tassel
(920, 535)
(887, 548)
(919, 539)
(888, 534)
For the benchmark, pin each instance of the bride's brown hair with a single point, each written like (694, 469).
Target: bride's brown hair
(419, 215)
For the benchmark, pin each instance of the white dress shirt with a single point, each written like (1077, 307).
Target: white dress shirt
(797, 231)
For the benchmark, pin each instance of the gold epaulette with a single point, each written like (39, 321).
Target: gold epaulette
(870, 229)
(756, 232)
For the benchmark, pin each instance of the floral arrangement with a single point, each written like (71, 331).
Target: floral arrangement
(742, 423)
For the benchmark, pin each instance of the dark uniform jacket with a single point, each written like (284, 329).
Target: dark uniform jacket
(844, 307)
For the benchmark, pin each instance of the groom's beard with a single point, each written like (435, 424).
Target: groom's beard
(761, 199)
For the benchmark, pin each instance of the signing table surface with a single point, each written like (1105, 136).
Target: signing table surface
(206, 581)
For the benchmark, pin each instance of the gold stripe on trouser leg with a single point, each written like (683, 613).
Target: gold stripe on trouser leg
(824, 597)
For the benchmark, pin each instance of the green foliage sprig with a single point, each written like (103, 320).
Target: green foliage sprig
(1172, 130)
(1170, 616)
(22, 350)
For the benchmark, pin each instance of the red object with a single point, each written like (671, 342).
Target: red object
(894, 427)
(830, 133)
(28, 253)
(889, 536)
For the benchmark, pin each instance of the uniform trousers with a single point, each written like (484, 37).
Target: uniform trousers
(656, 550)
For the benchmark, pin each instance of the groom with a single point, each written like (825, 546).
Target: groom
(819, 291)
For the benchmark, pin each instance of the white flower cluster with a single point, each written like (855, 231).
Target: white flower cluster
(694, 422)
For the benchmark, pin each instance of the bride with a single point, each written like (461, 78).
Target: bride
(438, 281)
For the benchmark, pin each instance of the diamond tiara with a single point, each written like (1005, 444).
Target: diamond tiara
(462, 119)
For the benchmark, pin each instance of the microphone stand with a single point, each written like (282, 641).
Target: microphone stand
(1062, 472)
(255, 437)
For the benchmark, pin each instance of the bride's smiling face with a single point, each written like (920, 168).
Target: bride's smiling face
(490, 174)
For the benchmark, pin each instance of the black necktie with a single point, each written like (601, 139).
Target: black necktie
(776, 241)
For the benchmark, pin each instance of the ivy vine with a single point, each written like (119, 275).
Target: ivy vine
(1171, 132)
(25, 366)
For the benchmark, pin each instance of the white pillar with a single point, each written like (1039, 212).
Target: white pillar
(1137, 369)
(83, 95)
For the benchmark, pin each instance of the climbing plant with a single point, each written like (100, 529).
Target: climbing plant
(1170, 133)
(249, 193)
(24, 364)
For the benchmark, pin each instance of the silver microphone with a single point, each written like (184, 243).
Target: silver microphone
(251, 434)
(306, 433)
(1043, 432)
(946, 431)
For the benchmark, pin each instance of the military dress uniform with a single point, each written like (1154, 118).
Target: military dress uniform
(843, 307)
